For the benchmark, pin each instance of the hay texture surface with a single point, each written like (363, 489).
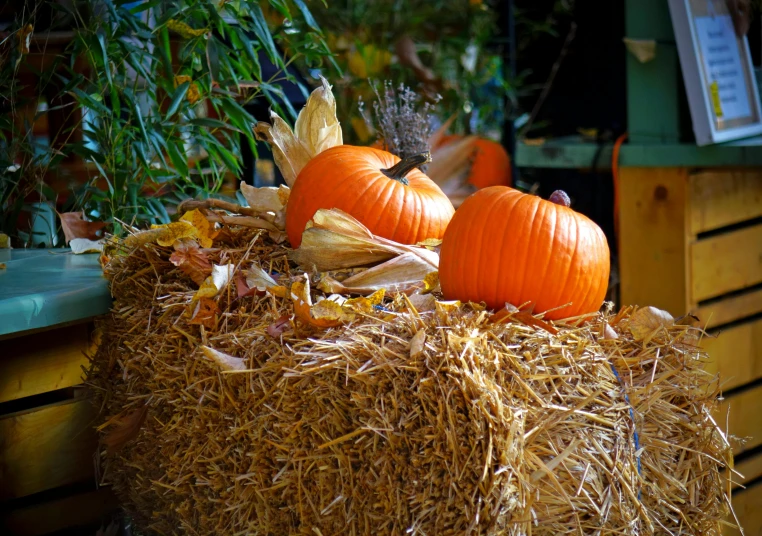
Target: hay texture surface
(402, 421)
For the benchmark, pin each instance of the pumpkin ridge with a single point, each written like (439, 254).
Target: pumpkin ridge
(549, 213)
(397, 223)
(563, 290)
(382, 205)
(480, 275)
(531, 243)
(500, 281)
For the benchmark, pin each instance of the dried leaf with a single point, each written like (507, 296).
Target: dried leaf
(277, 328)
(643, 49)
(423, 302)
(365, 304)
(205, 311)
(647, 320)
(225, 361)
(5, 241)
(608, 333)
(417, 343)
(217, 281)
(324, 314)
(289, 153)
(74, 226)
(430, 282)
(191, 260)
(242, 289)
(205, 231)
(80, 246)
(525, 317)
(257, 278)
(317, 126)
(125, 428)
(279, 291)
(335, 240)
(266, 199)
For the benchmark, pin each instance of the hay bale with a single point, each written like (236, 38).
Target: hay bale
(403, 422)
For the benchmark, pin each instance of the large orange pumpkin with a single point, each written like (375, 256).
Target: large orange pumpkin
(491, 165)
(389, 196)
(503, 246)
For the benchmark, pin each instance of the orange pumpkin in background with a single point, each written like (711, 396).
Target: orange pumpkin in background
(491, 164)
(388, 195)
(503, 246)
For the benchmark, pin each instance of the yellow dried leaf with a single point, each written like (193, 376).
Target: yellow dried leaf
(193, 94)
(205, 232)
(168, 234)
(213, 284)
(430, 243)
(430, 282)
(646, 321)
(417, 343)
(24, 36)
(278, 291)
(366, 304)
(317, 126)
(324, 314)
(447, 307)
(183, 30)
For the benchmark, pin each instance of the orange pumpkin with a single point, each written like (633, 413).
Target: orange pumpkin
(491, 165)
(388, 195)
(503, 246)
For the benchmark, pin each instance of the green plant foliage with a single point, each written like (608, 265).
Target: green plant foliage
(162, 87)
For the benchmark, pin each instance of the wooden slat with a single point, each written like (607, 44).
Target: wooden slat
(745, 418)
(747, 505)
(46, 448)
(751, 469)
(730, 309)
(724, 197)
(42, 362)
(726, 262)
(653, 238)
(736, 353)
(83, 509)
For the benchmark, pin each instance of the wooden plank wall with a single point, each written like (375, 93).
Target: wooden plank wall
(691, 241)
(47, 441)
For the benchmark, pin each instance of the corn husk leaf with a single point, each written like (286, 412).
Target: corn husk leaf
(451, 164)
(334, 240)
(317, 126)
(223, 360)
(316, 130)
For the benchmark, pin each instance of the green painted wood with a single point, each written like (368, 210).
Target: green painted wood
(573, 153)
(43, 288)
(653, 88)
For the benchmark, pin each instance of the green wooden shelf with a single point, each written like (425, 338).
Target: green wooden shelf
(43, 288)
(576, 153)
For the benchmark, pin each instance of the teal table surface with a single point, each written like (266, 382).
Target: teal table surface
(575, 153)
(43, 287)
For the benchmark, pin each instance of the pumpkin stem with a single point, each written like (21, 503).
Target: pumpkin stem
(559, 197)
(404, 166)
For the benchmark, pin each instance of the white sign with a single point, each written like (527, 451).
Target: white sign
(723, 67)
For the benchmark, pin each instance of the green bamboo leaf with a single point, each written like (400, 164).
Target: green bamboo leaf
(142, 125)
(264, 36)
(212, 123)
(104, 57)
(178, 159)
(177, 98)
(307, 15)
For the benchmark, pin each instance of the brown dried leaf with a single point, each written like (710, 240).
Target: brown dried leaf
(74, 226)
(225, 361)
(529, 319)
(242, 289)
(205, 313)
(647, 320)
(277, 328)
(191, 260)
(125, 429)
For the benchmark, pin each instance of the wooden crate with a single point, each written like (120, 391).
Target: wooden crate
(47, 441)
(691, 241)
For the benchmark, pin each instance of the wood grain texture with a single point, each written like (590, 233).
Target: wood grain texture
(726, 262)
(745, 418)
(724, 197)
(43, 362)
(46, 448)
(751, 469)
(747, 505)
(736, 353)
(80, 510)
(730, 309)
(653, 238)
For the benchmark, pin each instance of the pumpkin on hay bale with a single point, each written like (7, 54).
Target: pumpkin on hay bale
(244, 392)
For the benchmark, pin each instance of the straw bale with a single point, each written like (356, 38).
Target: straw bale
(401, 422)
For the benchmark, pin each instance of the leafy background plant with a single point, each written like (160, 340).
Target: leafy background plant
(162, 87)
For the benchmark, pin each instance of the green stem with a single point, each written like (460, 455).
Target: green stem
(399, 170)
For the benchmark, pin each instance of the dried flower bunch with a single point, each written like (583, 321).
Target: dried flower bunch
(403, 123)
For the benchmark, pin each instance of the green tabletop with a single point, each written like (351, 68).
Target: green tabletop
(43, 287)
